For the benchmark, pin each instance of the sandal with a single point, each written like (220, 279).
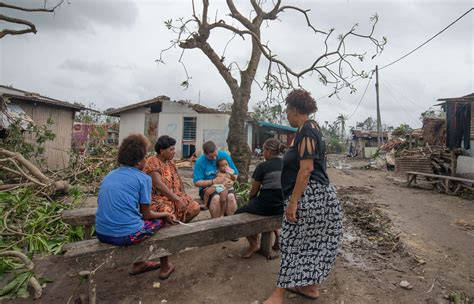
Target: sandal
(297, 291)
(149, 267)
(165, 277)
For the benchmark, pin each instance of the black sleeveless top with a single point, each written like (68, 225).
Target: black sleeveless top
(308, 144)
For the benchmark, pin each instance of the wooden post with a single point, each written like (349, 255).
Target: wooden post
(379, 122)
(454, 163)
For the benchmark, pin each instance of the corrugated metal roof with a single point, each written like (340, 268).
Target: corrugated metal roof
(11, 92)
(275, 126)
(196, 107)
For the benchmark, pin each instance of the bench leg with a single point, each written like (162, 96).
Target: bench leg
(266, 246)
(87, 232)
(410, 179)
(92, 288)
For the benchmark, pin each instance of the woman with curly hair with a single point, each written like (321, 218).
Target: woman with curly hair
(168, 188)
(312, 225)
(123, 213)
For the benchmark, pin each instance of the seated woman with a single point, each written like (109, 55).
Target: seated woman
(123, 214)
(168, 189)
(266, 197)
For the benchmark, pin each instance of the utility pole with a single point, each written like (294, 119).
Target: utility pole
(379, 122)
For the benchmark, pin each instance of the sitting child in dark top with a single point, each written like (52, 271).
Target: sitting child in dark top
(266, 196)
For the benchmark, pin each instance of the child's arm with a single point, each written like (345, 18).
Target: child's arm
(149, 215)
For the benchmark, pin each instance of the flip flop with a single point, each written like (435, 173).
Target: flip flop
(165, 277)
(298, 292)
(149, 267)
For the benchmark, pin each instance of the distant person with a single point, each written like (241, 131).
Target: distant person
(123, 213)
(205, 176)
(223, 171)
(258, 152)
(265, 195)
(169, 194)
(312, 226)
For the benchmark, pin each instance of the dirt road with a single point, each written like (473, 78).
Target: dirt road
(392, 234)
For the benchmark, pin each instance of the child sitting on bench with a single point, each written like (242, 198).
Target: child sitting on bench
(123, 214)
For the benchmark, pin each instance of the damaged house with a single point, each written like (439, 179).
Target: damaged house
(34, 108)
(190, 124)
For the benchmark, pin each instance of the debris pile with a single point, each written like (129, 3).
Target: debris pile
(369, 217)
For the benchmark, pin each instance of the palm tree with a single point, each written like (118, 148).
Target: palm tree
(342, 119)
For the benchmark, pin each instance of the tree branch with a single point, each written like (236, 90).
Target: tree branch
(44, 9)
(305, 13)
(31, 29)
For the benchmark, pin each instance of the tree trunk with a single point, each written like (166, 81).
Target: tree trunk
(237, 138)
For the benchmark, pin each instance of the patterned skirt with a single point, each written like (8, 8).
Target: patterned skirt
(309, 246)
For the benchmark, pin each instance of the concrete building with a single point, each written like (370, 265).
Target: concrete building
(190, 124)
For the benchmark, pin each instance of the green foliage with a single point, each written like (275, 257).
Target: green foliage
(33, 224)
(15, 141)
(402, 131)
(457, 297)
(242, 191)
(335, 146)
(17, 287)
(432, 113)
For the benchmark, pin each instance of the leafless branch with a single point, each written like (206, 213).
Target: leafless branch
(31, 28)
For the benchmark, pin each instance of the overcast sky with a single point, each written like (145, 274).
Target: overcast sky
(104, 52)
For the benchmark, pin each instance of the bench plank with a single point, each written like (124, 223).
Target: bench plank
(86, 216)
(89, 254)
(79, 217)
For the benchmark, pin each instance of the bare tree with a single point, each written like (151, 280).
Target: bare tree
(29, 26)
(334, 66)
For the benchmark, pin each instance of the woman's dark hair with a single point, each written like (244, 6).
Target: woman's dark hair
(209, 147)
(302, 101)
(133, 149)
(164, 142)
(275, 146)
(219, 161)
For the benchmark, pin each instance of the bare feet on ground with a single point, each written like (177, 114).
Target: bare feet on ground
(166, 271)
(250, 251)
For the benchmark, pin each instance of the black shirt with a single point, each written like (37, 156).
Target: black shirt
(308, 144)
(268, 173)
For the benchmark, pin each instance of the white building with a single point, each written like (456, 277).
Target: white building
(190, 124)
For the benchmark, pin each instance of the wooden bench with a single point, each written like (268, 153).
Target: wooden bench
(88, 256)
(86, 217)
(442, 182)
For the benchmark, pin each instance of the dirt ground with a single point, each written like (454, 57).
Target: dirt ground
(392, 234)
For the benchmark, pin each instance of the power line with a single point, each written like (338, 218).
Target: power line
(403, 97)
(400, 104)
(361, 99)
(452, 23)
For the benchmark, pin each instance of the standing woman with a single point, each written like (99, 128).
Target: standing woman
(312, 225)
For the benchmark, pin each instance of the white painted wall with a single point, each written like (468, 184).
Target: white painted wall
(249, 134)
(208, 126)
(213, 127)
(132, 121)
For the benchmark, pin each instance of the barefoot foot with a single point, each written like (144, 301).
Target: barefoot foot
(250, 251)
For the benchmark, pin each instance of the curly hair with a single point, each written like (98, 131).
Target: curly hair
(133, 150)
(164, 142)
(274, 145)
(302, 101)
